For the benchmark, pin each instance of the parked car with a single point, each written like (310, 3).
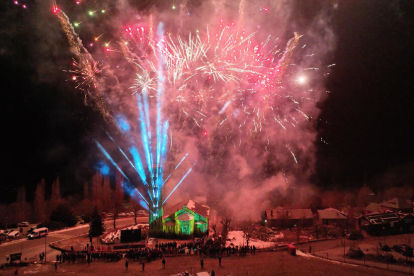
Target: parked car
(384, 247)
(355, 236)
(103, 214)
(13, 234)
(403, 249)
(30, 230)
(130, 214)
(109, 215)
(142, 213)
(121, 215)
(38, 233)
(5, 232)
(23, 224)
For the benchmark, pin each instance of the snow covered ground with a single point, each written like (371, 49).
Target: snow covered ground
(237, 239)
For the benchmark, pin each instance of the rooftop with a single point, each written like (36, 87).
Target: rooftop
(331, 213)
(191, 205)
(397, 203)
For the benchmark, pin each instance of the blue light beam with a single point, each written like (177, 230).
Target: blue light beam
(122, 122)
(175, 169)
(138, 164)
(110, 159)
(178, 184)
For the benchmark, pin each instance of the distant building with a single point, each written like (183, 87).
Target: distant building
(287, 218)
(387, 223)
(331, 216)
(186, 218)
(373, 208)
(397, 204)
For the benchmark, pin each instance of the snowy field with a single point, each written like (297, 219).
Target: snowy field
(237, 239)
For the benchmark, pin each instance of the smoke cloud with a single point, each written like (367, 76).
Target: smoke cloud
(241, 169)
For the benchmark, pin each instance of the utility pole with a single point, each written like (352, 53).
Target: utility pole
(344, 246)
(45, 247)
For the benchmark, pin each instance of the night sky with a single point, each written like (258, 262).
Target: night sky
(366, 120)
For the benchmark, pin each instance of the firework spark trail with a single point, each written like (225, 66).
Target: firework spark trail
(241, 14)
(294, 157)
(160, 90)
(110, 137)
(86, 67)
(284, 61)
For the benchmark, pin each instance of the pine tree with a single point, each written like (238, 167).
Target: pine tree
(39, 202)
(63, 214)
(86, 190)
(135, 206)
(22, 207)
(96, 190)
(106, 194)
(55, 198)
(118, 196)
(97, 226)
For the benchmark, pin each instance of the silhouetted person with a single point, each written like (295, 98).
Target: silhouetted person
(212, 273)
(163, 263)
(202, 263)
(126, 264)
(219, 261)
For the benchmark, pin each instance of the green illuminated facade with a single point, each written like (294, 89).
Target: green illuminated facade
(185, 218)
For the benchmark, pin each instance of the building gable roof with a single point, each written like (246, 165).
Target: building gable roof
(190, 205)
(331, 213)
(185, 217)
(397, 203)
(373, 207)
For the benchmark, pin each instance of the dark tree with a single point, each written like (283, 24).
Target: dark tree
(39, 202)
(118, 196)
(63, 214)
(97, 226)
(226, 219)
(316, 203)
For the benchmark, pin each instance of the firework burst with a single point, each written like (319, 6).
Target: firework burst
(228, 81)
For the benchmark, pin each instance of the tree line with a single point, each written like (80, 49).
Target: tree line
(96, 193)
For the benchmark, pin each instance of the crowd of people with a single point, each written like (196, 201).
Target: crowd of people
(158, 251)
